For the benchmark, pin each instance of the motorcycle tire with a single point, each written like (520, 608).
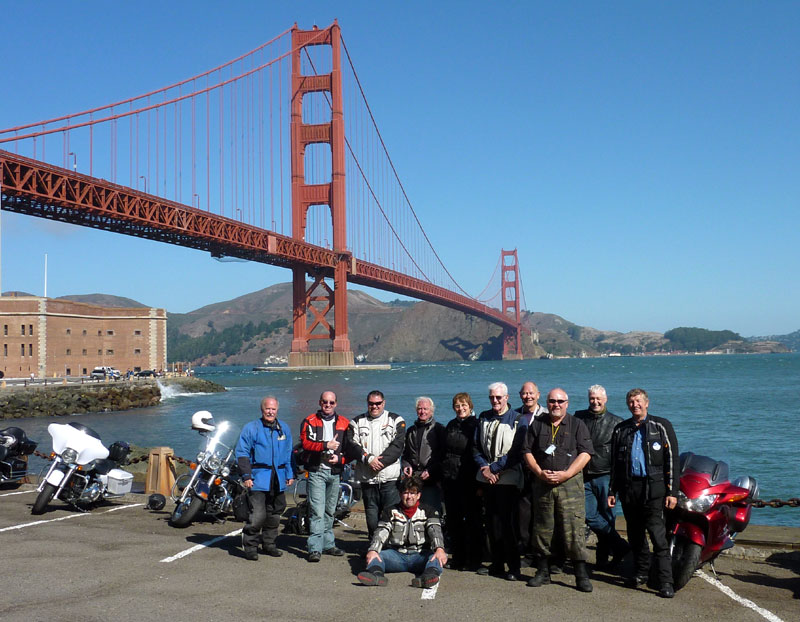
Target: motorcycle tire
(40, 505)
(685, 560)
(185, 513)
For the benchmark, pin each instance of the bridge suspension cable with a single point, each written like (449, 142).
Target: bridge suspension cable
(206, 163)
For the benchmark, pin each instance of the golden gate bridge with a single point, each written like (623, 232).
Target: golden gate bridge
(273, 157)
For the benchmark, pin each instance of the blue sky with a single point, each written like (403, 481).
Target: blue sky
(641, 156)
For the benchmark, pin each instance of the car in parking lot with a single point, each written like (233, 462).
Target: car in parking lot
(145, 373)
(103, 372)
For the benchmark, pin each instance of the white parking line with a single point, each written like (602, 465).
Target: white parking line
(739, 599)
(77, 515)
(22, 492)
(202, 545)
(429, 593)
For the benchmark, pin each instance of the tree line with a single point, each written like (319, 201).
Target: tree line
(698, 339)
(229, 341)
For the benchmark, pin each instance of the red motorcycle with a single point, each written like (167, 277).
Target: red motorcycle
(711, 510)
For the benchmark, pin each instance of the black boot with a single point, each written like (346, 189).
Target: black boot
(542, 576)
(602, 551)
(619, 549)
(582, 577)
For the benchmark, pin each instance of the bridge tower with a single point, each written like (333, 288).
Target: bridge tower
(312, 305)
(509, 291)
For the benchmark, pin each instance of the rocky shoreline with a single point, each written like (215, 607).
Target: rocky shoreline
(69, 399)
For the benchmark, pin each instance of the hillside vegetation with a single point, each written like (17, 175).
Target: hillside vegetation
(253, 327)
(698, 339)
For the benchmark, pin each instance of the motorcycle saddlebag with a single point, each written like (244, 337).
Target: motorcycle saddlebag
(119, 482)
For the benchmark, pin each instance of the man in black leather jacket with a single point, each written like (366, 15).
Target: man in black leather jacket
(424, 451)
(645, 474)
(596, 476)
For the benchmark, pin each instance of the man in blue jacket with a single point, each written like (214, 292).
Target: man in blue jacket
(264, 454)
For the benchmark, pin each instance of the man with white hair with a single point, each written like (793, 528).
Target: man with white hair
(424, 451)
(499, 478)
(596, 477)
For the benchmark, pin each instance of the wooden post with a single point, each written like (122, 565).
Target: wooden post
(160, 472)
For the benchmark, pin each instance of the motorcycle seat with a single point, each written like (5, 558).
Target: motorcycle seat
(104, 465)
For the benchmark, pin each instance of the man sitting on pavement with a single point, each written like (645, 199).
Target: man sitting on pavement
(408, 538)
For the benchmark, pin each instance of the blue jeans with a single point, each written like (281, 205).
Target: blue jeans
(394, 561)
(599, 516)
(323, 495)
(376, 498)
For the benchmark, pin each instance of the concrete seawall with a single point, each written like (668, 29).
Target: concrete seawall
(69, 399)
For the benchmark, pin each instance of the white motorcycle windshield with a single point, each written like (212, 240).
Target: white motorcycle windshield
(88, 447)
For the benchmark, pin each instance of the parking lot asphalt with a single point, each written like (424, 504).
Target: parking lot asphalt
(121, 561)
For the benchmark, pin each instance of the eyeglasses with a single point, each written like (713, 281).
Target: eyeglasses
(327, 402)
(376, 404)
(556, 401)
(496, 398)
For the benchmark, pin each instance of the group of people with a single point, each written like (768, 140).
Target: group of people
(524, 482)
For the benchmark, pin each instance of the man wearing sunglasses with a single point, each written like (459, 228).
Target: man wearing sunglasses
(324, 435)
(379, 436)
(557, 447)
(499, 478)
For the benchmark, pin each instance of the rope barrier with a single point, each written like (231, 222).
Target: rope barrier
(179, 460)
(776, 503)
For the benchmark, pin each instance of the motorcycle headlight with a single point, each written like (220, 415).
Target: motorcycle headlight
(69, 455)
(214, 462)
(225, 471)
(701, 504)
(200, 457)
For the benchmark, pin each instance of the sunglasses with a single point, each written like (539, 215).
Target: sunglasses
(327, 402)
(556, 401)
(374, 403)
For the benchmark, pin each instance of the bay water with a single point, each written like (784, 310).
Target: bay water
(744, 409)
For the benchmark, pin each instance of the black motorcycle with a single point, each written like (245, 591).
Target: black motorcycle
(15, 446)
(214, 481)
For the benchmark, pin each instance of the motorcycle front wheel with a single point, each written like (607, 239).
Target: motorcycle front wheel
(185, 512)
(43, 499)
(685, 559)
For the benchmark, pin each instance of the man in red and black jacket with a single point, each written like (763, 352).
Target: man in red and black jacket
(324, 436)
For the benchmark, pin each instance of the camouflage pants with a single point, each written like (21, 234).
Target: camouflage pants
(559, 508)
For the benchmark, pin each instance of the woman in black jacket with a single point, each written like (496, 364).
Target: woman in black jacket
(462, 506)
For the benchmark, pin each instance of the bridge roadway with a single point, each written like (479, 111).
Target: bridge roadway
(124, 562)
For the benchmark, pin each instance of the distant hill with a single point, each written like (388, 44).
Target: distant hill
(791, 341)
(249, 329)
(378, 331)
(104, 300)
